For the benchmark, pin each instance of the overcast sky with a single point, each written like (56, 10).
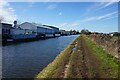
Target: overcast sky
(94, 16)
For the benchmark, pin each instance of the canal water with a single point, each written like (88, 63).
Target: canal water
(25, 60)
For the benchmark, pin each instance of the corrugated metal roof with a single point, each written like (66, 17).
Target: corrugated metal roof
(37, 25)
(47, 27)
(50, 26)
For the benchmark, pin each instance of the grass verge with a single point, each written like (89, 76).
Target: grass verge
(108, 61)
(54, 68)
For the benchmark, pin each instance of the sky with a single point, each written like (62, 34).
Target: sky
(94, 16)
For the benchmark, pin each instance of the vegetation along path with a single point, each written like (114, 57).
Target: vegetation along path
(82, 59)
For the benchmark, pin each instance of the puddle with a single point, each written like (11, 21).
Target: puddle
(73, 49)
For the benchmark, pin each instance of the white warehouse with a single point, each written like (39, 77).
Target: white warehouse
(38, 29)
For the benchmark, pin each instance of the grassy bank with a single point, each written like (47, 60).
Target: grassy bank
(82, 59)
(56, 68)
(108, 61)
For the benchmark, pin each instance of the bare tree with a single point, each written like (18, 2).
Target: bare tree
(1, 18)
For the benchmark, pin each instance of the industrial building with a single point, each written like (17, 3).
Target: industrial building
(27, 30)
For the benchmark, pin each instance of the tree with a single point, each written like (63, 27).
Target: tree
(1, 18)
(77, 32)
(85, 31)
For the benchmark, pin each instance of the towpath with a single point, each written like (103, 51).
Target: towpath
(82, 59)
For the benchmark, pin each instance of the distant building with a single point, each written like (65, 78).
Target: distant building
(68, 32)
(17, 31)
(63, 32)
(6, 28)
(44, 30)
(27, 30)
(55, 29)
(29, 26)
(39, 29)
(23, 31)
(6, 31)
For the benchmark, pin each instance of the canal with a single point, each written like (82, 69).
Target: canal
(25, 60)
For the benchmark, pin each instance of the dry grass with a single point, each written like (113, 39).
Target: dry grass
(87, 61)
(55, 69)
(109, 64)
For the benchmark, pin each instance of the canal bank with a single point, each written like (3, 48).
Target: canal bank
(82, 59)
(27, 59)
(56, 68)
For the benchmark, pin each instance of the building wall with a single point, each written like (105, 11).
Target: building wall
(41, 30)
(24, 36)
(17, 31)
(63, 32)
(28, 25)
(49, 31)
(28, 31)
(56, 30)
(6, 28)
(45, 30)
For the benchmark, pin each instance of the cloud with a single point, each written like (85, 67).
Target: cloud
(100, 17)
(111, 17)
(69, 26)
(64, 24)
(99, 5)
(51, 6)
(107, 4)
(7, 12)
(74, 24)
(60, 13)
(90, 19)
(95, 6)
